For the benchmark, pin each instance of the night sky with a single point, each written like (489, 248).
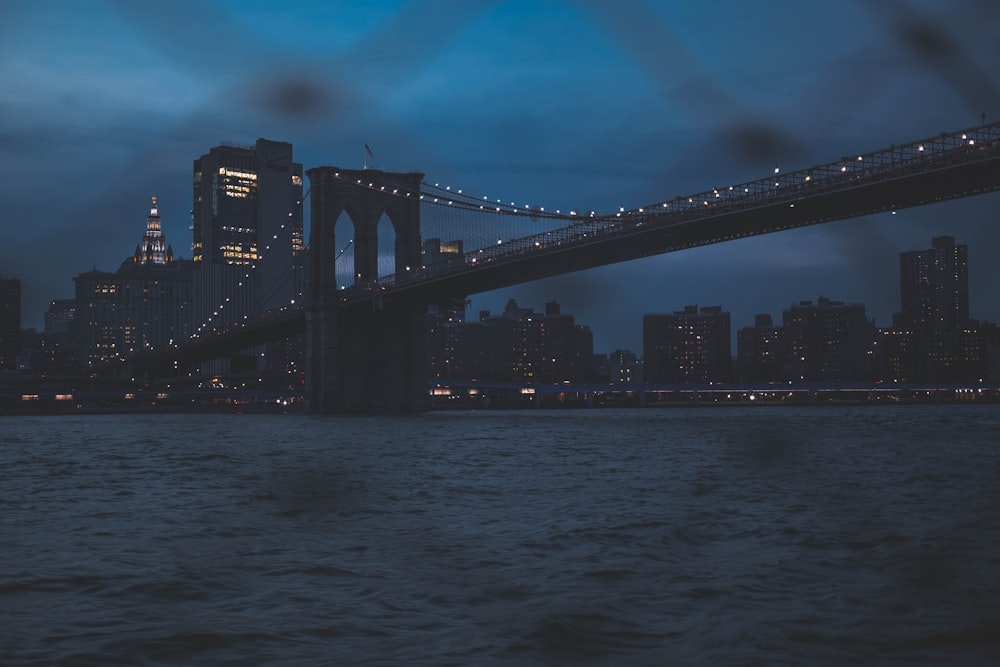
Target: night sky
(572, 104)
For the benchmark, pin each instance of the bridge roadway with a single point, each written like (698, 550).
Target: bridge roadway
(951, 165)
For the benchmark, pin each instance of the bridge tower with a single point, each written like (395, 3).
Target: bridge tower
(366, 357)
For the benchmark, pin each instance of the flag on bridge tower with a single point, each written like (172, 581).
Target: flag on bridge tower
(368, 150)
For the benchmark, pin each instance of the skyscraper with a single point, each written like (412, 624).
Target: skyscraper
(934, 287)
(144, 304)
(248, 245)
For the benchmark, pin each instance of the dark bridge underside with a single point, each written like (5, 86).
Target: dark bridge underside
(637, 237)
(663, 234)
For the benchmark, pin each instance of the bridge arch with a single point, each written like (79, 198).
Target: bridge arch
(369, 358)
(343, 240)
(365, 195)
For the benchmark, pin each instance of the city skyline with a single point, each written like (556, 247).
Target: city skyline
(488, 96)
(904, 258)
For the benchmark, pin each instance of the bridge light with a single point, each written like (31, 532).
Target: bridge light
(777, 169)
(920, 148)
(844, 168)
(860, 158)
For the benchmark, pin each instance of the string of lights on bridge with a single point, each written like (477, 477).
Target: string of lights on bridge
(449, 196)
(772, 188)
(246, 277)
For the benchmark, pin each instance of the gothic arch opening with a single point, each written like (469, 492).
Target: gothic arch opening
(386, 246)
(343, 234)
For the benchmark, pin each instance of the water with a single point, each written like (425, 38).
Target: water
(734, 536)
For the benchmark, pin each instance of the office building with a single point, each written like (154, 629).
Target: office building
(248, 247)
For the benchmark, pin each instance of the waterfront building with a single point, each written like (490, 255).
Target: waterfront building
(761, 354)
(10, 322)
(829, 341)
(687, 347)
(521, 346)
(932, 337)
(934, 287)
(624, 368)
(956, 354)
(444, 320)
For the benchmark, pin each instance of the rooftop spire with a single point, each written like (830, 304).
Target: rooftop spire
(152, 240)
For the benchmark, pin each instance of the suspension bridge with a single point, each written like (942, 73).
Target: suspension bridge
(364, 325)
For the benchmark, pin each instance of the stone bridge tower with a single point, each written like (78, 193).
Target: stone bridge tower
(364, 357)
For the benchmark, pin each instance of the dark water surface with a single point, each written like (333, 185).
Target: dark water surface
(756, 536)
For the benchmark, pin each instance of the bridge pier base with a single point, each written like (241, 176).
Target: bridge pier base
(366, 361)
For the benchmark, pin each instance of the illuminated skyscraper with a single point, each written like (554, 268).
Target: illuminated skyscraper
(248, 245)
(146, 303)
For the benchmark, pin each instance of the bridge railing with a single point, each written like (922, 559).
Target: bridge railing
(923, 155)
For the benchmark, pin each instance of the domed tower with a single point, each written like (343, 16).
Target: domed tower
(152, 250)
